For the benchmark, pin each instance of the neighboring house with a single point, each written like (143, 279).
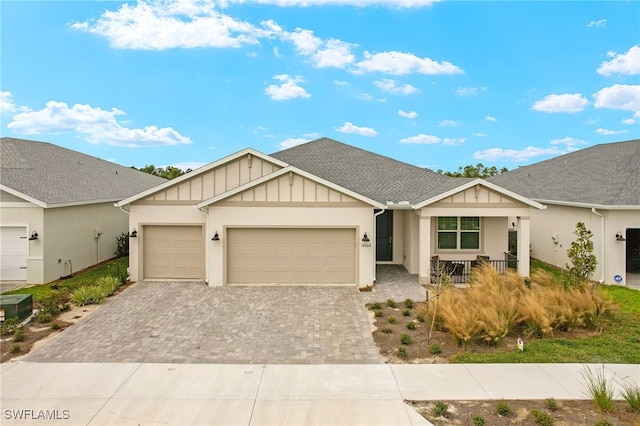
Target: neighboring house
(56, 209)
(599, 186)
(321, 212)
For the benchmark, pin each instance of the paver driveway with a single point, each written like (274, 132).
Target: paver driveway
(179, 322)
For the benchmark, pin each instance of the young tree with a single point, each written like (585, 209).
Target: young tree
(583, 261)
(477, 171)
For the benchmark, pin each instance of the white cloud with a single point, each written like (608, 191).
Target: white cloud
(7, 105)
(98, 125)
(289, 88)
(561, 103)
(608, 132)
(407, 114)
(623, 63)
(348, 127)
(400, 63)
(448, 123)
(569, 142)
(490, 118)
(305, 42)
(369, 98)
(600, 23)
(421, 139)
(500, 154)
(340, 83)
(157, 25)
(470, 91)
(629, 121)
(291, 142)
(453, 141)
(390, 86)
(480, 135)
(619, 96)
(336, 54)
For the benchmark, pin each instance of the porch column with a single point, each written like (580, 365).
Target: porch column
(424, 249)
(524, 239)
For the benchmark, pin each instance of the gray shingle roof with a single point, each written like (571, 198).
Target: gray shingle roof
(55, 175)
(374, 176)
(606, 174)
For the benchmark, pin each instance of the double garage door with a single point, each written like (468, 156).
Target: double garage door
(255, 255)
(290, 256)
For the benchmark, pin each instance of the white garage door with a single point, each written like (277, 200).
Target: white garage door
(14, 249)
(175, 252)
(291, 256)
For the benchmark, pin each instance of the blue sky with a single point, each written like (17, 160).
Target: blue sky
(435, 84)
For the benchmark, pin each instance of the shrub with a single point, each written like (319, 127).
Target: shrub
(118, 270)
(44, 317)
(542, 418)
(551, 404)
(406, 312)
(55, 326)
(385, 330)
(55, 302)
(9, 326)
(122, 245)
(402, 352)
(15, 348)
(108, 284)
(408, 303)
(604, 422)
(376, 306)
(599, 389)
(405, 339)
(392, 320)
(439, 409)
(378, 314)
(631, 394)
(503, 409)
(391, 303)
(583, 261)
(435, 348)
(411, 325)
(477, 420)
(19, 335)
(88, 295)
(420, 317)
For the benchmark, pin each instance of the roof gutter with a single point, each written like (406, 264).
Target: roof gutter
(593, 210)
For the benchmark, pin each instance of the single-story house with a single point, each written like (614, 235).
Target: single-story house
(320, 212)
(56, 209)
(599, 186)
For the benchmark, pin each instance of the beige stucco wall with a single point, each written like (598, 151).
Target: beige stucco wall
(223, 217)
(16, 212)
(559, 222)
(70, 234)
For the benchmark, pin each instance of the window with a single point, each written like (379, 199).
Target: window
(458, 233)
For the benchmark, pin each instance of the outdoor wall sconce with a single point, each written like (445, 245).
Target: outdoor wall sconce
(34, 236)
(365, 238)
(619, 236)
(133, 233)
(216, 237)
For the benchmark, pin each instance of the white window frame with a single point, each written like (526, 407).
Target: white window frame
(459, 231)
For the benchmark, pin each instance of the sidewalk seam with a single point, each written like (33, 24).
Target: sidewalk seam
(255, 399)
(114, 392)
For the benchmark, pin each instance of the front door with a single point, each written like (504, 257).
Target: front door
(633, 250)
(384, 237)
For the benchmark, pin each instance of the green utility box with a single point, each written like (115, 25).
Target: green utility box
(16, 305)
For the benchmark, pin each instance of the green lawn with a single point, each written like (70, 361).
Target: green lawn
(619, 342)
(87, 277)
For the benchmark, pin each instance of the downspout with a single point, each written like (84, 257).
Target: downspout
(206, 248)
(375, 216)
(593, 210)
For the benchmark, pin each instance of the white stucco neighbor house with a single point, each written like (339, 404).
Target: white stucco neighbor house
(599, 186)
(320, 212)
(56, 209)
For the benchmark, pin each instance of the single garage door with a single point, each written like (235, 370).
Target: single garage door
(291, 256)
(175, 252)
(14, 250)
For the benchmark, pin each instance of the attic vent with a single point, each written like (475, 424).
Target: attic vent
(249, 158)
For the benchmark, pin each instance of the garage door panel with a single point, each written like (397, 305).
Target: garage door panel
(173, 252)
(291, 256)
(14, 246)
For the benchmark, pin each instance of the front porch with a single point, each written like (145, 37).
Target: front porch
(458, 271)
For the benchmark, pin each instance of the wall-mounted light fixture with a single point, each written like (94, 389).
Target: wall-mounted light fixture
(619, 236)
(34, 236)
(133, 233)
(216, 237)
(365, 238)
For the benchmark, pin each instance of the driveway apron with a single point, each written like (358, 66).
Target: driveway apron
(181, 322)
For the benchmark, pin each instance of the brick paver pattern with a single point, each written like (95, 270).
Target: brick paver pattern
(185, 322)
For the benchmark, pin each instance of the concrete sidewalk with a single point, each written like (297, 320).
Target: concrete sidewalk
(226, 394)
